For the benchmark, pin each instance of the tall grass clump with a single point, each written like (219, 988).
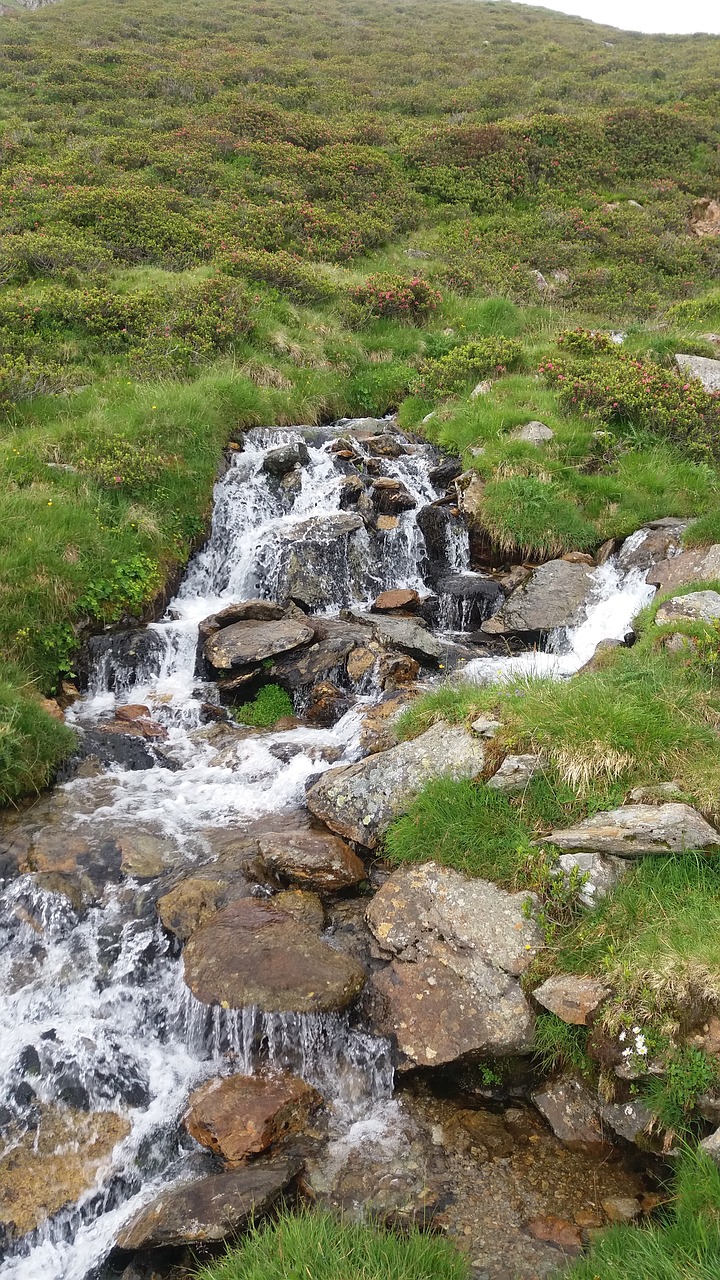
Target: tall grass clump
(31, 743)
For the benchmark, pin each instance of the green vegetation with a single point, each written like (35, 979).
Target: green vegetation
(30, 742)
(270, 705)
(319, 1246)
(561, 1046)
(682, 1242)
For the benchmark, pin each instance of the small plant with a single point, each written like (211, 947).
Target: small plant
(271, 704)
(122, 463)
(126, 587)
(394, 297)
(561, 1046)
(673, 1096)
(585, 342)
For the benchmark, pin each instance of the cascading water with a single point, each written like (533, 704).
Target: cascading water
(97, 1018)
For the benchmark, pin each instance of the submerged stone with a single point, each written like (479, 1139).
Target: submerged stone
(241, 1116)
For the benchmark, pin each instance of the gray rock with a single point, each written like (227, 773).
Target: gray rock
(466, 600)
(359, 801)
(533, 433)
(321, 559)
(572, 1113)
(243, 643)
(627, 1119)
(516, 773)
(486, 728)
(209, 1209)
(699, 565)
(245, 611)
(407, 635)
(706, 371)
(279, 461)
(711, 1146)
(553, 597)
(603, 874)
(660, 541)
(452, 990)
(696, 606)
(656, 793)
(571, 998)
(637, 830)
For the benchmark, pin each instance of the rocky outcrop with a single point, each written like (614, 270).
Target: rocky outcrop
(321, 557)
(241, 1116)
(310, 859)
(249, 953)
(359, 801)
(553, 597)
(706, 371)
(459, 945)
(696, 606)
(211, 1209)
(572, 999)
(638, 830)
(244, 643)
(705, 219)
(700, 565)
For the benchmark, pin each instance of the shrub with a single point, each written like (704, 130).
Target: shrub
(271, 704)
(123, 463)
(285, 272)
(449, 374)
(585, 342)
(20, 379)
(49, 253)
(126, 586)
(394, 297)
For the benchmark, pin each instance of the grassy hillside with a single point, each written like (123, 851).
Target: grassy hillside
(193, 200)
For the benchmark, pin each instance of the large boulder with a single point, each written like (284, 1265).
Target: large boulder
(248, 642)
(636, 830)
(243, 611)
(241, 1116)
(700, 565)
(277, 462)
(209, 1209)
(436, 524)
(311, 859)
(249, 953)
(409, 637)
(323, 560)
(459, 946)
(696, 606)
(646, 548)
(359, 801)
(553, 597)
(706, 371)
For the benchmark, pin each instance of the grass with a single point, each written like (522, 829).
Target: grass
(318, 1246)
(270, 705)
(31, 742)
(680, 1243)
(560, 1046)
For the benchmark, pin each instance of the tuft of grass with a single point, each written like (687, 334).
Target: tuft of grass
(319, 1246)
(683, 1243)
(32, 743)
(704, 530)
(526, 515)
(560, 1046)
(270, 705)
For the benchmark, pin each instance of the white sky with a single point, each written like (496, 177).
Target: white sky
(672, 16)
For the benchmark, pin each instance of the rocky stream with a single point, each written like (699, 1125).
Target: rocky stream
(213, 993)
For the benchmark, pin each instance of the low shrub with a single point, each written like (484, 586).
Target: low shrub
(49, 253)
(123, 463)
(285, 272)
(449, 374)
(395, 297)
(271, 704)
(21, 379)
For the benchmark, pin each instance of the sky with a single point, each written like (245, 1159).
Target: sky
(671, 16)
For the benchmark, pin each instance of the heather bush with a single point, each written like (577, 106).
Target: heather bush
(285, 272)
(450, 373)
(394, 297)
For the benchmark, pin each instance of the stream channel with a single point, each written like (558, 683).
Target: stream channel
(98, 1024)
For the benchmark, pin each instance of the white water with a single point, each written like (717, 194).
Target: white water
(100, 998)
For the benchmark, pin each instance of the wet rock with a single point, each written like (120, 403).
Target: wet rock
(409, 636)
(132, 711)
(436, 525)
(658, 544)
(488, 1131)
(621, 1208)
(303, 906)
(313, 860)
(352, 489)
(243, 643)
(696, 606)
(322, 559)
(191, 903)
(572, 999)
(533, 433)
(132, 655)
(467, 599)
(600, 875)
(402, 598)
(452, 991)
(629, 1120)
(378, 725)
(209, 1209)
(391, 496)
(699, 565)
(327, 704)
(572, 1112)
(145, 856)
(385, 446)
(250, 953)
(445, 472)
(52, 850)
(516, 773)
(634, 831)
(706, 371)
(130, 751)
(53, 1164)
(240, 1116)
(359, 801)
(557, 1231)
(277, 462)
(553, 597)
(245, 611)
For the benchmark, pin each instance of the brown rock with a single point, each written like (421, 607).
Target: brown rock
(52, 708)
(557, 1231)
(242, 1115)
(386, 524)
(145, 856)
(570, 998)
(489, 1130)
(314, 860)
(403, 598)
(133, 711)
(327, 704)
(190, 904)
(699, 565)
(621, 1208)
(577, 557)
(361, 662)
(705, 219)
(251, 953)
(303, 906)
(378, 726)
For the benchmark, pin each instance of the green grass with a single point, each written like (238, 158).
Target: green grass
(271, 704)
(560, 1046)
(31, 742)
(680, 1243)
(317, 1246)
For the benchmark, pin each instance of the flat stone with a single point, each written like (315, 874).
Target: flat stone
(516, 773)
(452, 991)
(191, 903)
(145, 856)
(249, 953)
(402, 598)
(655, 793)
(209, 1209)
(132, 711)
(533, 433)
(706, 371)
(572, 999)
(303, 906)
(359, 801)
(634, 831)
(243, 611)
(278, 462)
(557, 1231)
(240, 1116)
(572, 1112)
(485, 727)
(700, 565)
(245, 642)
(313, 860)
(553, 597)
(696, 606)
(407, 635)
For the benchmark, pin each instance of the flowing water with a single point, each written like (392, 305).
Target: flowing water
(94, 1010)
